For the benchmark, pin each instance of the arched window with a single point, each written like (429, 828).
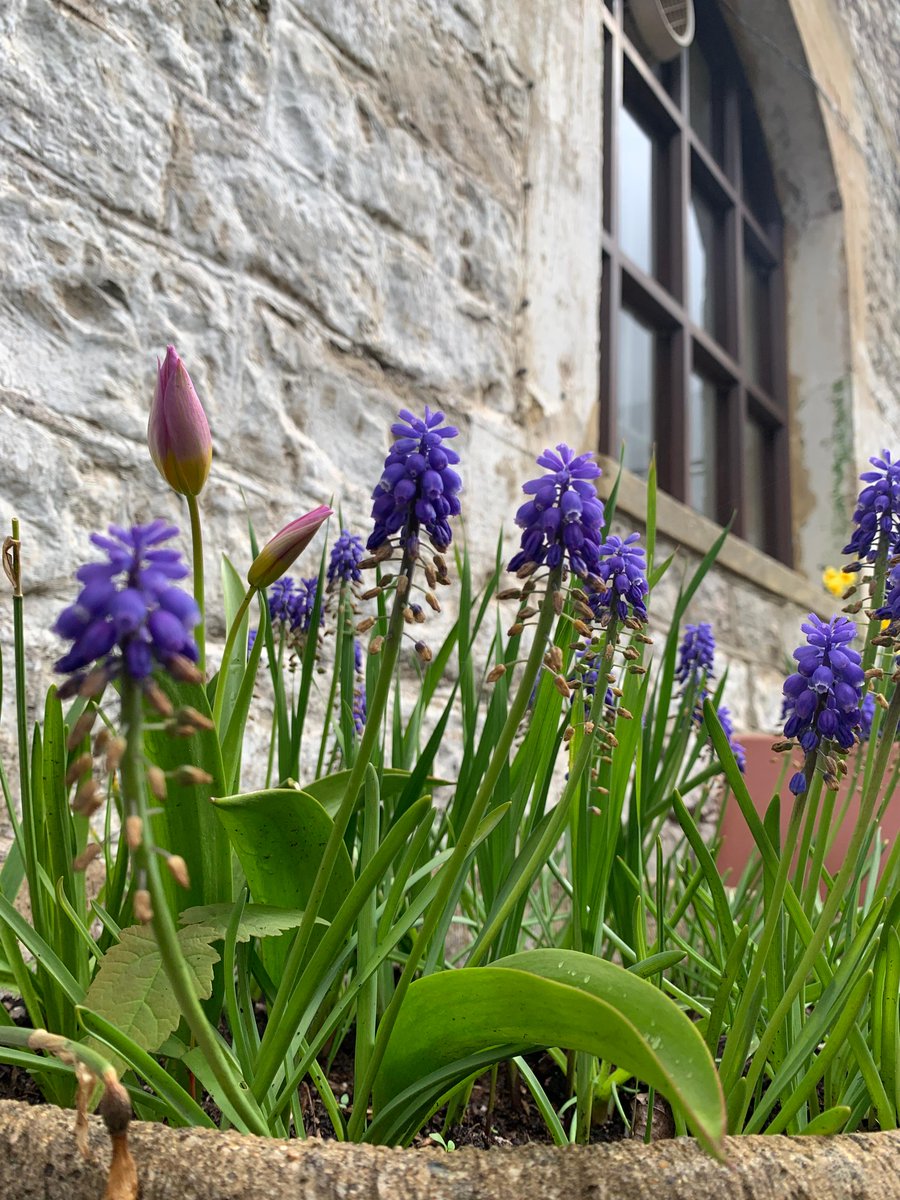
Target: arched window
(692, 312)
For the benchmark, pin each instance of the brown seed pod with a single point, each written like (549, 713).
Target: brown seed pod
(81, 766)
(424, 652)
(515, 629)
(178, 870)
(143, 906)
(82, 861)
(114, 754)
(190, 716)
(191, 776)
(562, 686)
(134, 832)
(87, 799)
(372, 593)
(376, 644)
(81, 728)
(156, 779)
(158, 699)
(430, 575)
(496, 673)
(402, 585)
(365, 625)
(510, 594)
(432, 601)
(183, 669)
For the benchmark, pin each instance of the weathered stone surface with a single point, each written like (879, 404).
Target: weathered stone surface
(39, 1160)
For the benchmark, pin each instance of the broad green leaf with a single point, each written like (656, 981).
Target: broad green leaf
(330, 789)
(131, 989)
(279, 835)
(257, 920)
(543, 998)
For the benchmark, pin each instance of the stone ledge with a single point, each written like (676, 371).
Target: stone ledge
(39, 1159)
(695, 532)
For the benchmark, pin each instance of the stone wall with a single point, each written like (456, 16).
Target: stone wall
(339, 207)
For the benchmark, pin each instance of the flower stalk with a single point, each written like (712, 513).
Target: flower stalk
(146, 859)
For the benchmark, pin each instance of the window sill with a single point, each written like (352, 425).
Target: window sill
(696, 533)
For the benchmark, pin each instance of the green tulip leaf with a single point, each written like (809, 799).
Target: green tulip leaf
(279, 835)
(533, 1000)
(330, 789)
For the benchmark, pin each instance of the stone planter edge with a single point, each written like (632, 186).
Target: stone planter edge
(39, 1159)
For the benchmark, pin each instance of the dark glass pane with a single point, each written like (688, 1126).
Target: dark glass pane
(702, 447)
(703, 245)
(701, 94)
(756, 322)
(637, 179)
(756, 483)
(637, 387)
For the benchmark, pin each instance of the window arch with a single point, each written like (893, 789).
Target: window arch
(692, 305)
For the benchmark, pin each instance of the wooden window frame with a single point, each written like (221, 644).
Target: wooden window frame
(660, 99)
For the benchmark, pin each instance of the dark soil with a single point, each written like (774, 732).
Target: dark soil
(512, 1119)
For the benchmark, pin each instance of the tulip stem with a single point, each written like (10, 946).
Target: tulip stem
(219, 699)
(197, 554)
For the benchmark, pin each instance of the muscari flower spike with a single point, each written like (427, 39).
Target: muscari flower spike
(343, 565)
(866, 716)
(823, 695)
(890, 610)
(623, 568)
(877, 510)
(418, 487)
(129, 617)
(697, 653)
(740, 754)
(563, 518)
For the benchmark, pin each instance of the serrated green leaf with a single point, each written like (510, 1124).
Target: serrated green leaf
(131, 989)
(257, 920)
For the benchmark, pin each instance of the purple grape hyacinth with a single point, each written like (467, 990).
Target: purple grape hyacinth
(129, 617)
(740, 754)
(877, 510)
(890, 610)
(343, 565)
(623, 569)
(697, 653)
(823, 695)
(564, 516)
(418, 487)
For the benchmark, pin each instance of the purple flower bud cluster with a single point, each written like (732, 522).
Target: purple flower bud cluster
(623, 569)
(740, 754)
(877, 510)
(343, 565)
(291, 603)
(129, 616)
(418, 487)
(823, 695)
(563, 518)
(697, 653)
(866, 716)
(890, 610)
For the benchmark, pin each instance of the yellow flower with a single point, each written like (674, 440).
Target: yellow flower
(837, 581)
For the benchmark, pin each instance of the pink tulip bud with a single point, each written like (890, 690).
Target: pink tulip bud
(177, 431)
(278, 553)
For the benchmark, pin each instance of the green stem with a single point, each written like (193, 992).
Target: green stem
(199, 593)
(739, 1038)
(335, 675)
(146, 862)
(219, 701)
(451, 870)
(277, 1037)
(13, 565)
(838, 895)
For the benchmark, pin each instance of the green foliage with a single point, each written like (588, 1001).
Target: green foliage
(563, 869)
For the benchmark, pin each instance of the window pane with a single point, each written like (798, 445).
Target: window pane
(756, 475)
(637, 374)
(702, 263)
(637, 177)
(756, 322)
(701, 88)
(702, 447)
